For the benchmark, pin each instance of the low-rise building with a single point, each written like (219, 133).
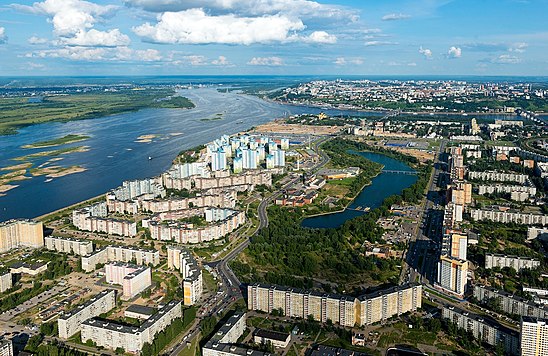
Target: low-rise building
(69, 245)
(29, 268)
(111, 335)
(277, 339)
(516, 262)
(69, 323)
(133, 278)
(222, 343)
(484, 329)
(537, 233)
(139, 312)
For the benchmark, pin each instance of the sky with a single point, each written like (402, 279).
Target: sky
(273, 37)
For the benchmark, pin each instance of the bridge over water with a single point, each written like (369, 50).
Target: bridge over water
(411, 173)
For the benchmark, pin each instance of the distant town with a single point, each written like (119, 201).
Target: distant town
(438, 242)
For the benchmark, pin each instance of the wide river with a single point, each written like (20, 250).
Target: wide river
(372, 196)
(114, 156)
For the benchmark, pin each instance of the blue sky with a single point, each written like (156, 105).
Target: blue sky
(285, 37)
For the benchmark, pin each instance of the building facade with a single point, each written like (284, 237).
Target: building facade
(21, 233)
(509, 303)
(120, 254)
(70, 323)
(347, 311)
(182, 259)
(452, 275)
(484, 329)
(68, 245)
(534, 336)
(133, 278)
(112, 335)
(509, 217)
(6, 281)
(516, 262)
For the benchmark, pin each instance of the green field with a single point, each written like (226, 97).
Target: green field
(18, 112)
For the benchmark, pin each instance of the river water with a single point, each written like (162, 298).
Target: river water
(114, 156)
(372, 196)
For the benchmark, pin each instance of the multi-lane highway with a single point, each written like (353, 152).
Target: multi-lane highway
(421, 256)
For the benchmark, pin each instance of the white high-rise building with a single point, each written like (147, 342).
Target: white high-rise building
(237, 165)
(279, 158)
(249, 158)
(218, 160)
(270, 161)
(284, 143)
(534, 336)
(452, 274)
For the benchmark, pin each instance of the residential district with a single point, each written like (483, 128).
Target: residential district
(149, 268)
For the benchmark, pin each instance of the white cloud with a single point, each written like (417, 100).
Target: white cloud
(294, 8)
(98, 54)
(196, 60)
(379, 43)
(454, 52)
(94, 38)
(395, 17)
(196, 27)
(34, 40)
(506, 59)
(341, 61)
(320, 37)
(518, 47)
(37, 66)
(426, 52)
(266, 61)
(398, 64)
(221, 61)
(3, 37)
(73, 22)
(69, 16)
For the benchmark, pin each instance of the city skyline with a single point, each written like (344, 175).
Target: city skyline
(275, 37)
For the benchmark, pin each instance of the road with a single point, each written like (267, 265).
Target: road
(421, 256)
(231, 286)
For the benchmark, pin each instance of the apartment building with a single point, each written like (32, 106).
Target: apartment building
(151, 187)
(536, 232)
(21, 233)
(240, 182)
(516, 262)
(501, 188)
(183, 260)
(509, 217)
(498, 176)
(6, 281)
(133, 278)
(347, 311)
(223, 342)
(6, 347)
(509, 303)
(483, 328)
(460, 193)
(225, 199)
(534, 336)
(69, 245)
(106, 225)
(187, 233)
(96, 210)
(69, 323)
(452, 275)
(111, 335)
(120, 254)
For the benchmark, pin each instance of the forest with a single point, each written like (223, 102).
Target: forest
(287, 253)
